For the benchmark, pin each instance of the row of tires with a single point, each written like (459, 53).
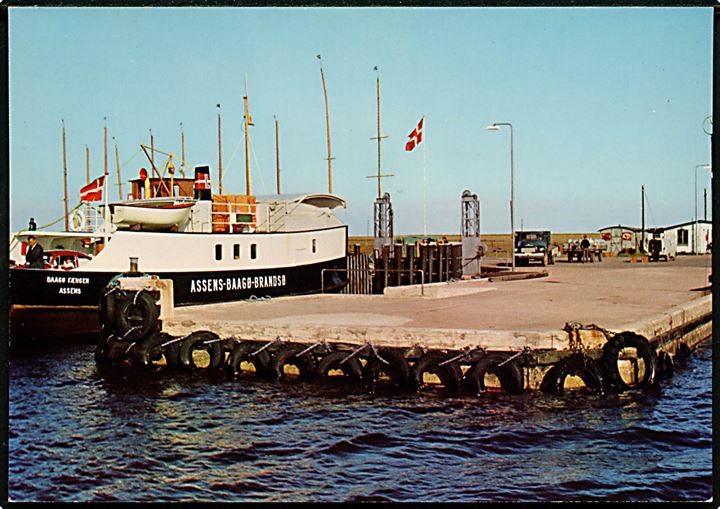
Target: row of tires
(204, 350)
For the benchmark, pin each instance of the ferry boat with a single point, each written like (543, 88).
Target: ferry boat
(215, 248)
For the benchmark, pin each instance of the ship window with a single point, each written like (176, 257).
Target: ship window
(314, 245)
(253, 251)
(236, 251)
(218, 252)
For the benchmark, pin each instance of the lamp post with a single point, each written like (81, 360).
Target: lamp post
(694, 247)
(496, 127)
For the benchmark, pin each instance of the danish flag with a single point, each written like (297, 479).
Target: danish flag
(93, 191)
(416, 137)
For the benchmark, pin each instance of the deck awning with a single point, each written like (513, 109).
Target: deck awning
(320, 200)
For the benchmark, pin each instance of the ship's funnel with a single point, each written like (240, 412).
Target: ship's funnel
(202, 189)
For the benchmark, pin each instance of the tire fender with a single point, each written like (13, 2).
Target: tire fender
(243, 352)
(351, 367)
(126, 325)
(576, 364)
(509, 374)
(609, 361)
(396, 368)
(201, 340)
(287, 355)
(449, 374)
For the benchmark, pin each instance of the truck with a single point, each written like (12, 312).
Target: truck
(659, 247)
(534, 246)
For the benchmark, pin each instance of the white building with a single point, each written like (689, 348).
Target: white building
(691, 237)
(685, 236)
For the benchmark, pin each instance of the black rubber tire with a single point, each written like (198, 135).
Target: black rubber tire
(450, 374)
(126, 323)
(243, 352)
(287, 355)
(116, 352)
(509, 374)
(196, 341)
(107, 308)
(351, 368)
(609, 361)
(397, 369)
(576, 364)
(150, 350)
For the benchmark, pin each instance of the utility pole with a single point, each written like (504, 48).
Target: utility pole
(219, 153)
(379, 137)
(277, 154)
(642, 231)
(152, 150)
(705, 204)
(327, 123)
(67, 224)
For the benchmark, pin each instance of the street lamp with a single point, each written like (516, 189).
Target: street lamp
(496, 127)
(694, 248)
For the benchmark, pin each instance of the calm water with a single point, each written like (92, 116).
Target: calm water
(78, 435)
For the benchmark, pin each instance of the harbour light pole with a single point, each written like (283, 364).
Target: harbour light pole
(695, 242)
(496, 127)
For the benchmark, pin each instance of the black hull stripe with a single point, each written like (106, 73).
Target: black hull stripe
(78, 288)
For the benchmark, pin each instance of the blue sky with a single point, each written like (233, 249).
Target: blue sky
(602, 100)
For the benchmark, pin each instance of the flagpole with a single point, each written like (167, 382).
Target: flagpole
(424, 139)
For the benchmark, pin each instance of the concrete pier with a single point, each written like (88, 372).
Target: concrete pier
(647, 298)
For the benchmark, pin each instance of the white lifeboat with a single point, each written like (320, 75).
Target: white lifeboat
(151, 214)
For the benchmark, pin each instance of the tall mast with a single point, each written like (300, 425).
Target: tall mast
(219, 152)
(277, 155)
(87, 181)
(67, 224)
(182, 140)
(327, 123)
(105, 165)
(248, 123)
(117, 164)
(152, 150)
(379, 137)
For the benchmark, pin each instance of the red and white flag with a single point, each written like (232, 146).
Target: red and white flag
(416, 137)
(93, 191)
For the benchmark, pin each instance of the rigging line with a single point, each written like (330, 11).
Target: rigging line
(60, 219)
(652, 216)
(232, 157)
(259, 172)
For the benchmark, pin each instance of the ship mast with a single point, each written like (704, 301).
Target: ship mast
(327, 123)
(219, 153)
(67, 225)
(87, 181)
(182, 140)
(248, 123)
(117, 164)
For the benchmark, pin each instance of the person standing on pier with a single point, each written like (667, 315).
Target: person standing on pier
(34, 255)
(585, 246)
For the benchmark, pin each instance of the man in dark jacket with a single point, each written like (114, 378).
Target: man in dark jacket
(34, 255)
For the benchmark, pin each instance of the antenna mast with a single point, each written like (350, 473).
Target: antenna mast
(182, 163)
(117, 164)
